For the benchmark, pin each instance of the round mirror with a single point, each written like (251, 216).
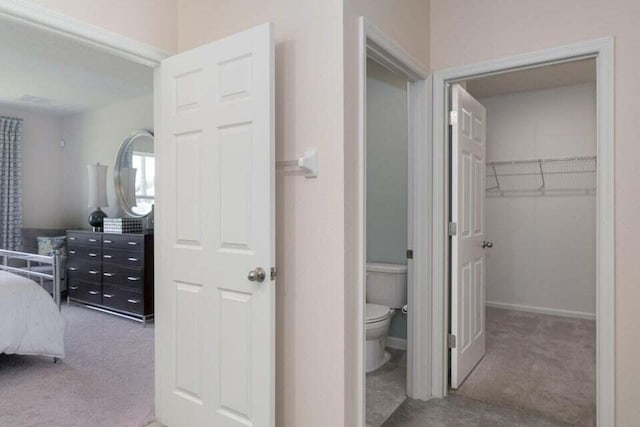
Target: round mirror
(134, 174)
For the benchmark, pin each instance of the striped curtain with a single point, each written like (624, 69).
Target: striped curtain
(10, 183)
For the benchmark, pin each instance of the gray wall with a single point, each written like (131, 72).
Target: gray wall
(95, 136)
(387, 159)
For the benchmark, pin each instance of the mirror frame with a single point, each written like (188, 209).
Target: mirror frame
(117, 181)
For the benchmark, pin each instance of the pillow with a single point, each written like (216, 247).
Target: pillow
(46, 245)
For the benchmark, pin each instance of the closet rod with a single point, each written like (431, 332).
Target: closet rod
(550, 160)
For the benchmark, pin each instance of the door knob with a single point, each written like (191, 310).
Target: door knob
(257, 275)
(486, 244)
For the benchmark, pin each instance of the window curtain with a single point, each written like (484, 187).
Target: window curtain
(10, 183)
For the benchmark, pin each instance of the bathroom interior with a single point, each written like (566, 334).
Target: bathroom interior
(538, 307)
(386, 242)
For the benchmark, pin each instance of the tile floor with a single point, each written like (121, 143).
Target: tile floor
(386, 388)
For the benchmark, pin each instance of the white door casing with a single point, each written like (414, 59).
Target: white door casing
(215, 329)
(468, 165)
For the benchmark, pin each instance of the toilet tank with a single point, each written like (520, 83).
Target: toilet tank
(387, 284)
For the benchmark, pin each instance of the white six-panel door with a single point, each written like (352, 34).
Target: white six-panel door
(215, 342)
(468, 164)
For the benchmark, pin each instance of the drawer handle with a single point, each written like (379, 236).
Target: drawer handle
(134, 259)
(107, 295)
(92, 254)
(107, 256)
(93, 272)
(133, 279)
(73, 288)
(94, 292)
(133, 301)
(92, 240)
(72, 252)
(72, 238)
(73, 268)
(132, 243)
(107, 241)
(109, 274)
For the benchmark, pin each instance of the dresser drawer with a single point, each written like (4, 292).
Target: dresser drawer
(84, 252)
(84, 239)
(123, 276)
(84, 291)
(132, 242)
(80, 269)
(123, 258)
(122, 299)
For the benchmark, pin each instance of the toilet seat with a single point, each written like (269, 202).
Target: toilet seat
(376, 313)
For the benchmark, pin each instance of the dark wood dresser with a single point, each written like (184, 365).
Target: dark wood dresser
(111, 272)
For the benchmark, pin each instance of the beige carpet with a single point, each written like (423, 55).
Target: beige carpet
(106, 379)
(538, 363)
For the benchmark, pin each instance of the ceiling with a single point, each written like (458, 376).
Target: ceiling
(44, 72)
(546, 77)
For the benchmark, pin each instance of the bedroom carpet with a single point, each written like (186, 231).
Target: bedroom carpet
(106, 378)
(539, 364)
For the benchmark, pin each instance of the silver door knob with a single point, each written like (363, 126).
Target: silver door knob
(257, 275)
(486, 244)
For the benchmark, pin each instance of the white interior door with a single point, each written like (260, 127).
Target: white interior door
(467, 253)
(215, 342)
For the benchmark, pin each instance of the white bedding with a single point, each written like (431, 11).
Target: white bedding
(30, 322)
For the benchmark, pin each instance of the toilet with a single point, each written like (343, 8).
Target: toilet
(386, 292)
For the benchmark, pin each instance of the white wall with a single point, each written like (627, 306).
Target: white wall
(95, 137)
(544, 246)
(42, 171)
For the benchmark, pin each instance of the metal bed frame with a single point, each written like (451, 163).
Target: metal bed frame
(55, 260)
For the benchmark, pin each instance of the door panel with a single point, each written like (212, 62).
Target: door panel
(215, 349)
(468, 165)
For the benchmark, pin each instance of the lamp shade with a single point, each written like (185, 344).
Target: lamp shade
(98, 186)
(128, 179)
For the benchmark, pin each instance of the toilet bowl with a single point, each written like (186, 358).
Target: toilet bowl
(377, 318)
(386, 291)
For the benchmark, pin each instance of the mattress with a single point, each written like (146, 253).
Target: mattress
(30, 322)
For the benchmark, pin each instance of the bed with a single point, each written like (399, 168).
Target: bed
(30, 319)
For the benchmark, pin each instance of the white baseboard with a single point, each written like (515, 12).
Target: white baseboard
(397, 343)
(542, 310)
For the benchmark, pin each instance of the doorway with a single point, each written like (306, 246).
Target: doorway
(73, 105)
(412, 262)
(601, 50)
(523, 279)
(386, 242)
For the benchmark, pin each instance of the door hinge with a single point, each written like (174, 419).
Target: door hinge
(453, 118)
(451, 341)
(274, 273)
(409, 253)
(453, 228)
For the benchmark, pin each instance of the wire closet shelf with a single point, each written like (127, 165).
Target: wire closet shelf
(542, 176)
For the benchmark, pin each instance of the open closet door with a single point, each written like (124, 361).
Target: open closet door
(215, 295)
(468, 164)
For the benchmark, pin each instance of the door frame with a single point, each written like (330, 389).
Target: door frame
(376, 45)
(602, 50)
(58, 23)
